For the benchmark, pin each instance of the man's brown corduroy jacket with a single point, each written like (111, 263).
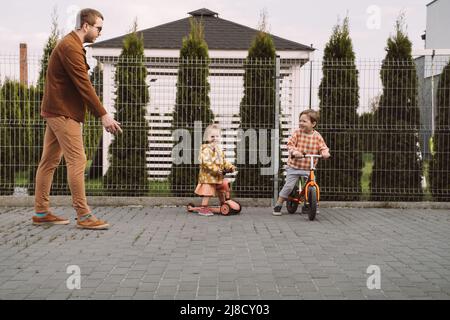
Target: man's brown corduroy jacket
(68, 89)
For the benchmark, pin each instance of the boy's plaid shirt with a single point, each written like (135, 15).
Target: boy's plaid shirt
(305, 144)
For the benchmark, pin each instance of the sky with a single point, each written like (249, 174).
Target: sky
(305, 22)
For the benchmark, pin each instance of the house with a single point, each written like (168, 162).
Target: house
(430, 65)
(438, 24)
(228, 44)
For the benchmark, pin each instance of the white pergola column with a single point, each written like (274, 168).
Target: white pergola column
(108, 103)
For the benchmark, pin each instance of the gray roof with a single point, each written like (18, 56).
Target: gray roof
(220, 34)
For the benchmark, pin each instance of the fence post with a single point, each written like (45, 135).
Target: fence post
(276, 138)
(432, 93)
(310, 82)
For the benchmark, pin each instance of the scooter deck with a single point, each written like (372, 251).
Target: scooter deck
(196, 208)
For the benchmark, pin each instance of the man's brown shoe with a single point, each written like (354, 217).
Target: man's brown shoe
(89, 221)
(49, 219)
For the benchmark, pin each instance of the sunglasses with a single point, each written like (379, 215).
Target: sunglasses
(99, 29)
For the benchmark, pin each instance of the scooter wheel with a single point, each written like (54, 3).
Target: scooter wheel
(225, 209)
(190, 206)
(236, 211)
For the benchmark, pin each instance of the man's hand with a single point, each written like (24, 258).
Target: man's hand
(326, 154)
(111, 125)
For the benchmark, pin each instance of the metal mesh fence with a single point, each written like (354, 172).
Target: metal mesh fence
(376, 116)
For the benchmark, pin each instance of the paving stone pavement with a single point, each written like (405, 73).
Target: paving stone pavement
(166, 253)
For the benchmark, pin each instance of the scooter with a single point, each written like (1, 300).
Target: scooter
(227, 205)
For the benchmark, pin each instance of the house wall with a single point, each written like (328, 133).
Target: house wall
(225, 95)
(428, 73)
(104, 53)
(438, 25)
(424, 101)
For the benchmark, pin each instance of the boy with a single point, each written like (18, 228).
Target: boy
(304, 140)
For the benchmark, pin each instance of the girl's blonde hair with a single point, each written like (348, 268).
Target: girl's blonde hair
(208, 130)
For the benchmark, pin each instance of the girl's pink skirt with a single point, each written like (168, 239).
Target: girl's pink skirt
(206, 189)
(209, 189)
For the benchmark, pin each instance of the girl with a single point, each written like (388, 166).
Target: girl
(212, 168)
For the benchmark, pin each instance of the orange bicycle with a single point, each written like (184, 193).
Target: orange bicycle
(306, 191)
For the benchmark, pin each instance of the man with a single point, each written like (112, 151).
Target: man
(67, 92)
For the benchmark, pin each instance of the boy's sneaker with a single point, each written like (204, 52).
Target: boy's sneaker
(49, 219)
(205, 212)
(277, 210)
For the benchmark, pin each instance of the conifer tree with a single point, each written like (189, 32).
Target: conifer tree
(397, 168)
(257, 112)
(192, 104)
(340, 176)
(60, 184)
(127, 174)
(93, 139)
(52, 40)
(6, 175)
(12, 99)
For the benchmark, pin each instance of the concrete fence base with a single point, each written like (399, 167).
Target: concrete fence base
(61, 201)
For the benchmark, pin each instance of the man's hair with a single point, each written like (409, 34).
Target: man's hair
(312, 114)
(208, 131)
(88, 16)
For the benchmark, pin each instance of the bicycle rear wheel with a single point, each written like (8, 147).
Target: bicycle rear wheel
(292, 206)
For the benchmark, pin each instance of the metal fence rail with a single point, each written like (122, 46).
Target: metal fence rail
(377, 117)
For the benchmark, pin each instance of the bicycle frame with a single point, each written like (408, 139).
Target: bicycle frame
(311, 182)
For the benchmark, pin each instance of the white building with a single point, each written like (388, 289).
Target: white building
(228, 44)
(430, 63)
(438, 25)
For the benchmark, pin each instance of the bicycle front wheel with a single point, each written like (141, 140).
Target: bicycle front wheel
(312, 199)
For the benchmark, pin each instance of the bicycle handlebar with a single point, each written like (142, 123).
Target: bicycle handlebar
(309, 156)
(312, 155)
